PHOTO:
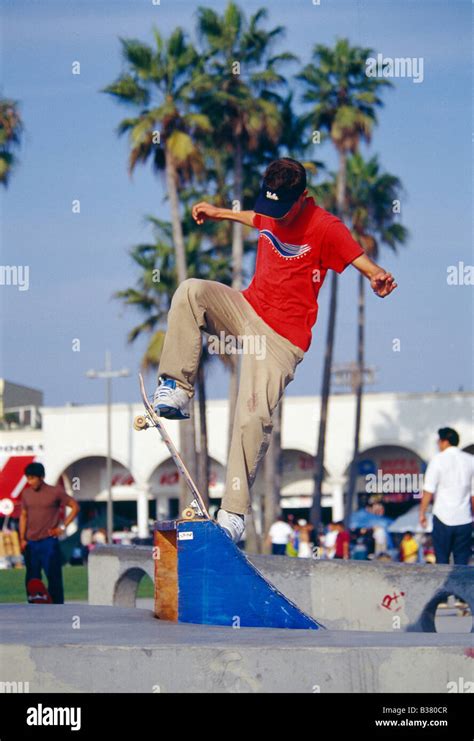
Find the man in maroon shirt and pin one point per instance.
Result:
(271, 319)
(342, 542)
(42, 508)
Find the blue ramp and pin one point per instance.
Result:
(217, 585)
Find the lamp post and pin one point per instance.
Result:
(108, 374)
(349, 374)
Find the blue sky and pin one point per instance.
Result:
(70, 150)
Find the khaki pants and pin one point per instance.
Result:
(268, 363)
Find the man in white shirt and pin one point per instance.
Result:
(329, 540)
(449, 477)
(279, 536)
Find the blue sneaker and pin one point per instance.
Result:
(170, 400)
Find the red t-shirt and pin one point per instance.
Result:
(342, 538)
(292, 263)
(43, 509)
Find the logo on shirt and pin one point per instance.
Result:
(286, 250)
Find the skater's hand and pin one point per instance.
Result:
(423, 520)
(203, 211)
(23, 544)
(383, 283)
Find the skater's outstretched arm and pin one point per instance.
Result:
(382, 282)
(203, 211)
(339, 249)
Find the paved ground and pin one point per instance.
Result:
(78, 647)
(117, 626)
(446, 621)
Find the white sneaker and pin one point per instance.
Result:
(232, 523)
(170, 400)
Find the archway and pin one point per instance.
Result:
(134, 589)
(86, 481)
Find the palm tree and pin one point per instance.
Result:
(238, 91)
(11, 127)
(159, 83)
(371, 195)
(344, 102)
(153, 291)
(152, 298)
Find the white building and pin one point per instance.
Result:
(398, 436)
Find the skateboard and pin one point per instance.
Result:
(197, 508)
(37, 593)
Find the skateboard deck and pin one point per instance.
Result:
(152, 419)
(37, 593)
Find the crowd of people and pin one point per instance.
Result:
(297, 538)
(447, 486)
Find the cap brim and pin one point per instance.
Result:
(272, 209)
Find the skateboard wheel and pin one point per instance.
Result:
(140, 423)
(188, 513)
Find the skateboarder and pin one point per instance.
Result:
(39, 529)
(298, 243)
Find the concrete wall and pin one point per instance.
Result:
(350, 595)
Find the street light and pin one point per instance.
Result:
(108, 374)
(347, 374)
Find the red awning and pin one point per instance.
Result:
(13, 480)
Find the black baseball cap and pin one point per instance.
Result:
(276, 203)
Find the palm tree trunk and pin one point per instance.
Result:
(273, 465)
(187, 428)
(351, 502)
(237, 260)
(253, 541)
(315, 515)
(341, 185)
(233, 393)
(203, 459)
(189, 452)
(237, 229)
(177, 229)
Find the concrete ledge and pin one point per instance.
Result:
(79, 648)
(343, 595)
(366, 595)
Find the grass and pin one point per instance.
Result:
(12, 585)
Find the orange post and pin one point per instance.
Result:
(166, 571)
